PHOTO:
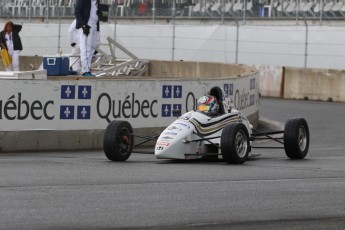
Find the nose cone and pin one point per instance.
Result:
(171, 143)
(170, 150)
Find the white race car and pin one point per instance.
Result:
(196, 135)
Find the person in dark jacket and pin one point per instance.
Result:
(87, 23)
(10, 39)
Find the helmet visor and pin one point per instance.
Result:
(203, 108)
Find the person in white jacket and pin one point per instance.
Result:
(73, 37)
(86, 13)
(74, 40)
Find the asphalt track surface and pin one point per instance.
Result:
(83, 190)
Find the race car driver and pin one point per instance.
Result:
(209, 105)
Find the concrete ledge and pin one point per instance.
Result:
(34, 74)
(36, 140)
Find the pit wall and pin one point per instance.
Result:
(68, 113)
(300, 83)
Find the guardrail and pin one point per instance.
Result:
(203, 9)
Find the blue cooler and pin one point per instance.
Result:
(56, 65)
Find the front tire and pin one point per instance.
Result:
(234, 143)
(118, 141)
(296, 138)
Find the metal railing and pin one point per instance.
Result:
(184, 9)
(108, 64)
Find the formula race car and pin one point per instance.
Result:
(205, 134)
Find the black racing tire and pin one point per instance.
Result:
(118, 141)
(296, 138)
(234, 143)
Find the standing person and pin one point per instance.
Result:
(10, 39)
(73, 37)
(87, 24)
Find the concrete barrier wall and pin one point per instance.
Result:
(38, 114)
(314, 84)
(300, 83)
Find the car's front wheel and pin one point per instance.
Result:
(234, 143)
(118, 141)
(296, 138)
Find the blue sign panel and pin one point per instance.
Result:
(178, 91)
(83, 112)
(226, 89)
(67, 92)
(231, 89)
(84, 92)
(166, 110)
(166, 91)
(177, 107)
(66, 112)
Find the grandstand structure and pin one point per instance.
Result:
(262, 9)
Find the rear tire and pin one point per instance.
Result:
(296, 138)
(234, 143)
(118, 141)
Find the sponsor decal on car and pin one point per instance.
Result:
(166, 138)
(170, 133)
(163, 143)
(159, 148)
(183, 124)
(172, 127)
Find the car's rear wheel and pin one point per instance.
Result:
(118, 141)
(234, 143)
(296, 138)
